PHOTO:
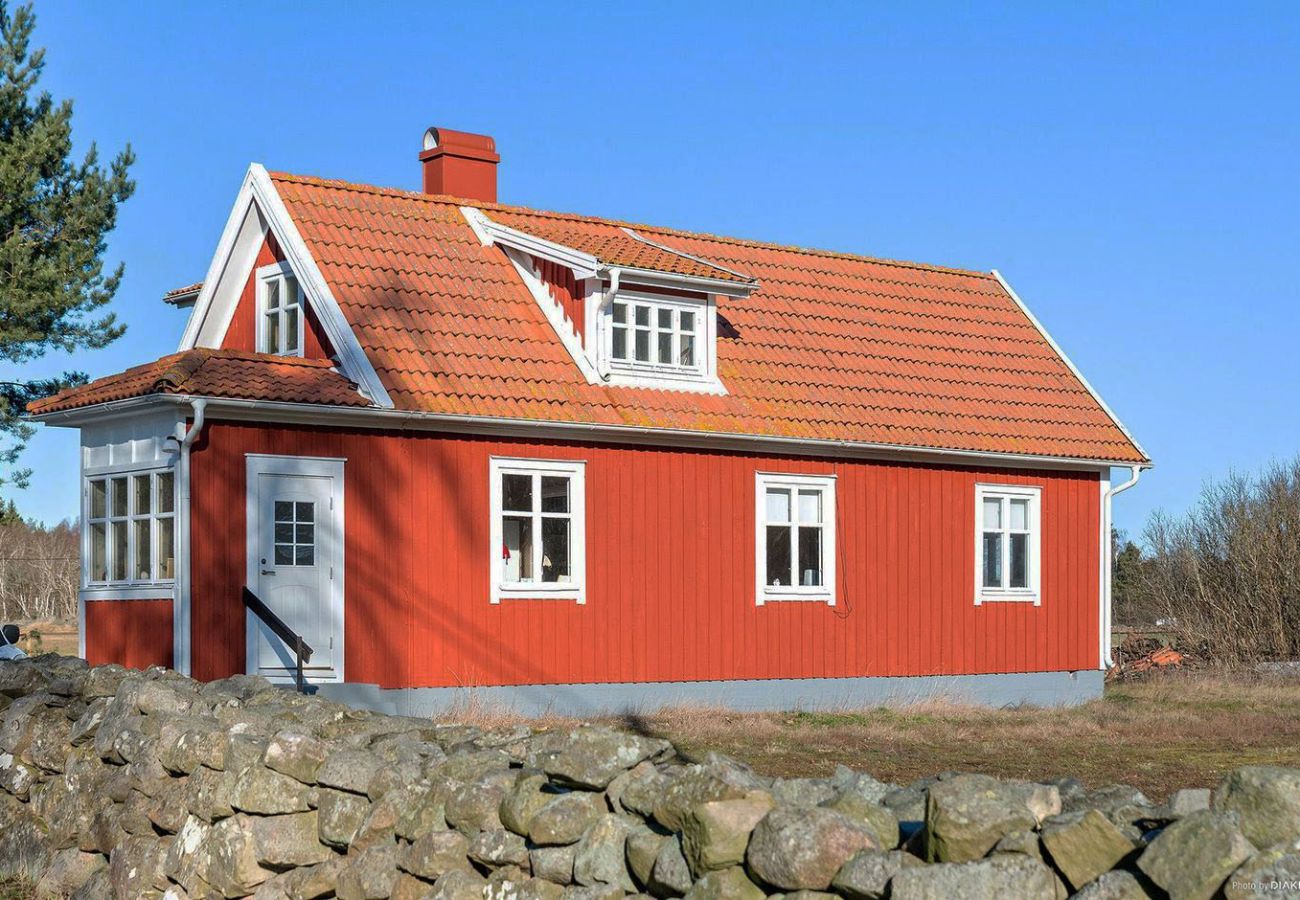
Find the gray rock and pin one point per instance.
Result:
(592, 757)
(1085, 849)
(907, 803)
(425, 812)
(1272, 873)
(847, 781)
(498, 848)
(601, 857)
(1116, 884)
(435, 854)
(349, 770)
(69, 870)
(476, 806)
(698, 784)
(716, 834)
(880, 819)
(1188, 800)
(1268, 800)
(189, 856)
(553, 864)
(1194, 856)
(671, 875)
(867, 873)
(280, 842)
(996, 878)
(368, 875)
(135, 867)
(725, 884)
(300, 756)
(1026, 843)
(803, 791)
(796, 848)
(563, 819)
(966, 815)
(266, 793)
(1121, 803)
(459, 885)
(522, 801)
(526, 889)
(233, 869)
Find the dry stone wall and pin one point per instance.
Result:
(127, 784)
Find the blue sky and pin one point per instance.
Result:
(1131, 168)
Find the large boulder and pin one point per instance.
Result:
(563, 819)
(996, 878)
(1267, 798)
(1275, 872)
(593, 757)
(298, 755)
(801, 848)
(698, 784)
(1086, 847)
(264, 792)
(671, 874)
(1193, 857)
(725, 884)
(368, 875)
(965, 816)
(867, 874)
(601, 856)
(281, 842)
(716, 834)
(1117, 884)
(233, 869)
(435, 854)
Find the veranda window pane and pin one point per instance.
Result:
(98, 552)
(143, 567)
(517, 552)
(291, 329)
(120, 560)
(619, 349)
(666, 347)
(98, 499)
(166, 549)
(143, 495)
(166, 492)
(687, 355)
(119, 497)
(555, 494)
(1019, 515)
(643, 316)
(778, 505)
(778, 555)
(992, 559)
(555, 550)
(810, 557)
(517, 492)
(1019, 560)
(642, 346)
(993, 513)
(810, 506)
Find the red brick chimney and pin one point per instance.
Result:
(460, 164)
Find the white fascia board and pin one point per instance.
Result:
(676, 282)
(1070, 365)
(584, 265)
(220, 262)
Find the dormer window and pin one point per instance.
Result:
(654, 334)
(279, 325)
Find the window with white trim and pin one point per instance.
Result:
(280, 311)
(130, 528)
(795, 540)
(660, 341)
(1008, 538)
(538, 535)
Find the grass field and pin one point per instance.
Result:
(1158, 735)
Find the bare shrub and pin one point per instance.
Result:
(39, 571)
(1228, 571)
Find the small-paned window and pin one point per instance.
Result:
(295, 533)
(795, 547)
(1007, 545)
(130, 528)
(538, 529)
(651, 334)
(280, 325)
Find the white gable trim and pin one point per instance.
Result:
(259, 209)
(1068, 362)
(564, 329)
(584, 265)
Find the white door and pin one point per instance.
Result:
(295, 563)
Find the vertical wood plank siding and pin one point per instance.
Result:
(670, 568)
(134, 633)
(566, 291)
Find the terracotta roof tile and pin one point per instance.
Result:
(831, 346)
(215, 373)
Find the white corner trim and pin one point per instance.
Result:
(584, 265)
(823, 593)
(1006, 286)
(564, 329)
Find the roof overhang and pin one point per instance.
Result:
(273, 412)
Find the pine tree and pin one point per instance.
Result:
(55, 215)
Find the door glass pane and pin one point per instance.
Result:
(143, 495)
(687, 355)
(304, 556)
(119, 497)
(120, 567)
(284, 532)
(778, 505)
(283, 511)
(778, 555)
(1019, 515)
(555, 494)
(305, 511)
(555, 550)
(619, 349)
(810, 557)
(993, 513)
(642, 346)
(166, 549)
(666, 347)
(304, 534)
(992, 559)
(810, 506)
(517, 549)
(98, 552)
(284, 554)
(166, 492)
(1019, 560)
(291, 329)
(517, 492)
(143, 568)
(98, 499)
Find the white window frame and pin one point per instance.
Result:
(132, 516)
(823, 593)
(700, 376)
(266, 275)
(575, 471)
(1032, 593)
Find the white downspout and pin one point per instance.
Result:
(1107, 659)
(181, 609)
(602, 358)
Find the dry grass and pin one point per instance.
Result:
(1182, 730)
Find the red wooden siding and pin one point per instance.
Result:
(242, 333)
(134, 633)
(670, 568)
(566, 290)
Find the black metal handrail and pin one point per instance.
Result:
(301, 649)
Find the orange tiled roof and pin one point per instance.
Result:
(831, 346)
(215, 373)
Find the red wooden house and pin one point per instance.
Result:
(572, 463)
